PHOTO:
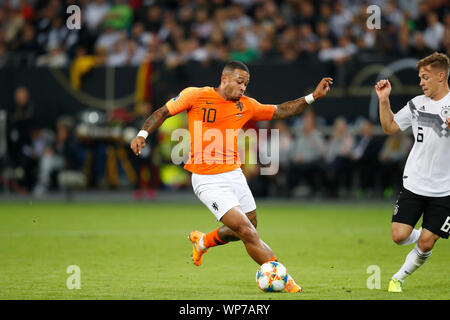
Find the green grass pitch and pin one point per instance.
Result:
(141, 251)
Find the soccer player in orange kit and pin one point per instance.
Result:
(217, 179)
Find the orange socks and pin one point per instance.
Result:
(212, 239)
(274, 258)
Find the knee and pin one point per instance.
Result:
(247, 233)
(398, 236)
(425, 244)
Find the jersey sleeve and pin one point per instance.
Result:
(183, 101)
(262, 112)
(403, 118)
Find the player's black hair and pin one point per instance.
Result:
(233, 65)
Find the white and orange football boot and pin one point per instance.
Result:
(197, 251)
(291, 286)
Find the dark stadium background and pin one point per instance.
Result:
(88, 91)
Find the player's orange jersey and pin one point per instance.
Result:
(213, 126)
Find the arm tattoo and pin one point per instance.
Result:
(156, 119)
(290, 108)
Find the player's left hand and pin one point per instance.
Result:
(322, 88)
(137, 144)
(447, 122)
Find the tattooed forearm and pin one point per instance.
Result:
(156, 119)
(290, 108)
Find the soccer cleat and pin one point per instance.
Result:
(395, 285)
(197, 252)
(292, 287)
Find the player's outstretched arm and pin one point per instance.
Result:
(383, 89)
(447, 122)
(151, 124)
(290, 108)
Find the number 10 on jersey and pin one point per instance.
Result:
(209, 115)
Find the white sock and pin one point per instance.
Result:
(413, 261)
(413, 237)
(201, 243)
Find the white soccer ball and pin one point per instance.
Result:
(271, 277)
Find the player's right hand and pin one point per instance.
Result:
(137, 144)
(383, 89)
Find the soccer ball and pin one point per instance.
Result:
(271, 277)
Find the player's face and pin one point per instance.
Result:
(429, 80)
(235, 83)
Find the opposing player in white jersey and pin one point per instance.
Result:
(426, 178)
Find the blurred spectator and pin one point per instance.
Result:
(135, 53)
(55, 58)
(185, 19)
(94, 12)
(119, 55)
(392, 159)
(190, 50)
(307, 156)
(308, 40)
(240, 51)
(287, 45)
(280, 180)
(323, 32)
(61, 155)
(326, 52)
(83, 63)
(119, 16)
(171, 176)
(108, 38)
(14, 24)
(410, 7)
(44, 20)
(306, 15)
(27, 43)
(142, 37)
(365, 158)
(41, 143)
(60, 36)
(203, 26)
(343, 52)
(153, 20)
(446, 40)
(340, 19)
(434, 33)
(146, 170)
(338, 158)
(247, 30)
(404, 42)
(420, 49)
(267, 51)
(235, 20)
(420, 23)
(392, 14)
(20, 122)
(325, 12)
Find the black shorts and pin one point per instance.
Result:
(436, 212)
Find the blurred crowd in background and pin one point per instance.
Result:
(348, 160)
(126, 32)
